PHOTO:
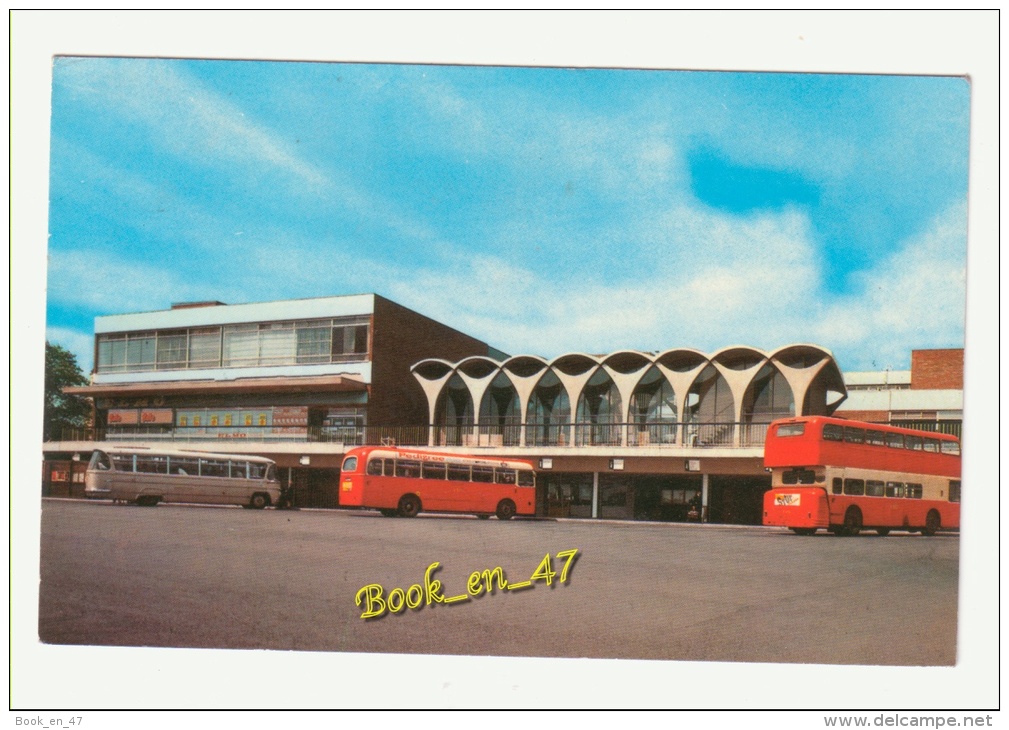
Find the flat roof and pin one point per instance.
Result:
(221, 314)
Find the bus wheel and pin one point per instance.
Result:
(804, 530)
(882, 531)
(932, 523)
(505, 509)
(259, 501)
(852, 521)
(409, 506)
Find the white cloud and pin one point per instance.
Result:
(753, 281)
(181, 114)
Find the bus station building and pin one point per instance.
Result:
(626, 435)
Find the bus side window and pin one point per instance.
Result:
(832, 432)
(504, 476)
(432, 471)
(375, 468)
(458, 473)
(854, 435)
(876, 438)
(122, 462)
(873, 488)
(954, 490)
(256, 470)
(407, 468)
(836, 486)
(100, 461)
(526, 478)
(912, 442)
(894, 489)
(483, 474)
(913, 491)
(895, 440)
(932, 445)
(951, 447)
(854, 487)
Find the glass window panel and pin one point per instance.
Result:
(526, 478)
(932, 445)
(832, 432)
(894, 489)
(912, 442)
(205, 347)
(277, 343)
(854, 435)
(314, 342)
(374, 468)
(432, 471)
(876, 438)
(895, 440)
(172, 350)
(873, 488)
(950, 447)
(483, 474)
(458, 473)
(854, 486)
(241, 345)
(407, 468)
(504, 476)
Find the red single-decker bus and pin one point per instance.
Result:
(402, 482)
(846, 475)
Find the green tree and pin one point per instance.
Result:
(63, 411)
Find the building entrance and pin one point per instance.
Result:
(737, 500)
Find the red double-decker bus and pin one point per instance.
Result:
(846, 475)
(402, 482)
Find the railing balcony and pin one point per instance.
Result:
(467, 435)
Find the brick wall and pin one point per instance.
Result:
(867, 416)
(400, 339)
(937, 369)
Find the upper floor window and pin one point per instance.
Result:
(238, 345)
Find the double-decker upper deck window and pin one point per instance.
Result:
(895, 440)
(913, 443)
(876, 438)
(932, 445)
(791, 429)
(854, 435)
(832, 432)
(950, 447)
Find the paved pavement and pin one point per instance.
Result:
(183, 576)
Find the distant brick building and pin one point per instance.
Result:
(929, 396)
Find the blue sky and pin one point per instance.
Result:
(542, 210)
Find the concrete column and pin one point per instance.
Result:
(595, 495)
(704, 497)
